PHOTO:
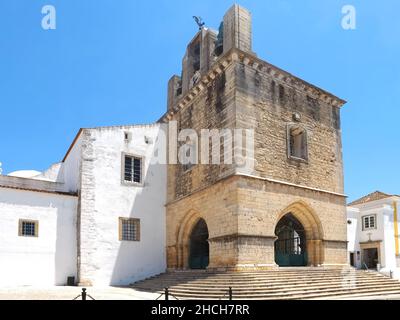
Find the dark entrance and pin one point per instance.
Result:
(199, 248)
(352, 259)
(290, 247)
(370, 258)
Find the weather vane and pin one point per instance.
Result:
(199, 21)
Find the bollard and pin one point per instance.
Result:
(166, 294)
(230, 293)
(83, 293)
(391, 274)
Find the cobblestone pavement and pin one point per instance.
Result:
(69, 293)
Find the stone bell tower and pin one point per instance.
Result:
(290, 208)
(207, 46)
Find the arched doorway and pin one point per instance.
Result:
(198, 246)
(290, 246)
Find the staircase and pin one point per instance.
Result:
(283, 283)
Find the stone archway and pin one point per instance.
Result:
(290, 247)
(199, 249)
(186, 228)
(312, 228)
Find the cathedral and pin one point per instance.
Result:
(112, 213)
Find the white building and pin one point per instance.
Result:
(97, 216)
(373, 232)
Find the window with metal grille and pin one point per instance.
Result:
(132, 169)
(28, 228)
(129, 229)
(369, 222)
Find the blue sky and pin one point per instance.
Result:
(108, 62)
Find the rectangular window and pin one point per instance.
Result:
(190, 157)
(129, 229)
(28, 228)
(132, 169)
(297, 143)
(127, 136)
(369, 222)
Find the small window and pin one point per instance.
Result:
(369, 222)
(28, 228)
(129, 229)
(132, 169)
(297, 143)
(191, 156)
(127, 136)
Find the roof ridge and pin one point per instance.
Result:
(373, 196)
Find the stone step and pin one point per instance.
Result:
(281, 269)
(251, 276)
(266, 286)
(265, 273)
(279, 289)
(278, 284)
(353, 293)
(266, 278)
(292, 295)
(262, 280)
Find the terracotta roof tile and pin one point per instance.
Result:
(377, 195)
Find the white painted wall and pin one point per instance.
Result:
(372, 234)
(114, 262)
(71, 167)
(51, 257)
(388, 238)
(54, 173)
(353, 234)
(384, 232)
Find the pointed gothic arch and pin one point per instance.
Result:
(313, 231)
(186, 228)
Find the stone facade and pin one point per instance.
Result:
(241, 208)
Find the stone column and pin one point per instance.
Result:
(314, 252)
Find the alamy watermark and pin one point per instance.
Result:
(205, 146)
(49, 19)
(348, 21)
(349, 18)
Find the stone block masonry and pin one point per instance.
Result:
(240, 91)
